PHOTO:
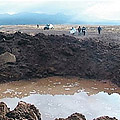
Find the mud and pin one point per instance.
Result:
(42, 55)
(55, 86)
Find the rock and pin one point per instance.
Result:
(105, 118)
(75, 116)
(3, 110)
(7, 57)
(78, 116)
(24, 111)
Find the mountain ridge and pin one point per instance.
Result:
(42, 18)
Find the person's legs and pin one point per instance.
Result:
(84, 32)
(99, 31)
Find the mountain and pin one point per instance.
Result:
(33, 18)
(36, 18)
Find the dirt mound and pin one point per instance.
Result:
(23, 111)
(3, 110)
(41, 56)
(105, 118)
(75, 116)
(78, 116)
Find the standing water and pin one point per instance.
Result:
(58, 97)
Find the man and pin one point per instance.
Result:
(79, 30)
(99, 29)
(37, 26)
(73, 31)
(83, 30)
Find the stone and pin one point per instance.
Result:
(24, 111)
(75, 116)
(3, 110)
(105, 118)
(7, 57)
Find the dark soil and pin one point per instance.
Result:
(52, 55)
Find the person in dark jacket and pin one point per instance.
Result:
(83, 30)
(79, 30)
(99, 29)
(37, 26)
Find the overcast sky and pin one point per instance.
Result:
(81, 9)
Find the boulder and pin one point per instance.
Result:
(78, 116)
(105, 118)
(75, 116)
(24, 111)
(7, 57)
(3, 110)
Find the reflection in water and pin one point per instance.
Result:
(60, 97)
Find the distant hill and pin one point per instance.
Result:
(36, 18)
(33, 18)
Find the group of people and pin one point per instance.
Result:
(74, 30)
(83, 30)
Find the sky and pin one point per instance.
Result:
(80, 9)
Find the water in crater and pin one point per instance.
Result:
(58, 97)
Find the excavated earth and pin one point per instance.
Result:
(42, 55)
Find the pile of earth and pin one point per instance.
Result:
(52, 55)
(24, 111)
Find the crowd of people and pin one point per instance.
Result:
(82, 30)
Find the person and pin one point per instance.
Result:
(83, 30)
(37, 26)
(99, 29)
(73, 31)
(79, 30)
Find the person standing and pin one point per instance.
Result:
(79, 30)
(99, 29)
(83, 30)
(37, 26)
(73, 31)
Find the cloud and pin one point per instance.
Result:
(108, 10)
(79, 9)
(16, 6)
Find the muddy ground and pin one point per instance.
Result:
(38, 55)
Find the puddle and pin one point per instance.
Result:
(59, 97)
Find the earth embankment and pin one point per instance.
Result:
(59, 55)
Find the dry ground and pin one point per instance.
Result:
(107, 31)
